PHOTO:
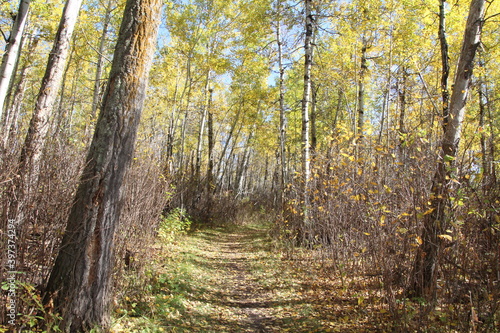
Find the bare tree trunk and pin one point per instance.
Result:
(306, 105)
(402, 113)
(31, 153)
(314, 110)
(424, 276)
(188, 86)
(12, 52)
(243, 166)
(385, 120)
(282, 126)
(483, 140)
(220, 165)
(80, 283)
(361, 90)
(14, 104)
(203, 121)
(210, 169)
(445, 65)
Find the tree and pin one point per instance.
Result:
(12, 52)
(424, 277)
(32, 151)
(306, 105)
(282, 115)
(80, 283)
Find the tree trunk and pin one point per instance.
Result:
(402, 90)
(306, 105)
(424, 276)
(282, 126)
(80, 283)
(12, 52)
(210, 169)
(385, 120)
(485, 163)
(361, 90)
(31, 153)
(445, 66)
(221, 167)
(13, 106)
(314, 110)
(199, 146)
(188, 86)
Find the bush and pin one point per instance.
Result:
(175, 223)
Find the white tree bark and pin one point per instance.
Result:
(12, 52)
(306, 105)
(31, 154)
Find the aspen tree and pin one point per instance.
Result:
(424, 277)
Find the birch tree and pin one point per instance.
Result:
(306, 105)
(12, 52)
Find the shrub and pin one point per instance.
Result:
(175, 223)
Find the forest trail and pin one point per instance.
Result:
(232, 280)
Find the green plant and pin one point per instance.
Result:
(175, 223)
(33, 314)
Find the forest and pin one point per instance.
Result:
(333, 162)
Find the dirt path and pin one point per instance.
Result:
(240, 289)
(232, 280)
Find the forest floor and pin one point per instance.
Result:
(233, 279)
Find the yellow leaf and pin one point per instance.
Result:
(429, 211)
(382, 220)
(447, 237)
(419, 240)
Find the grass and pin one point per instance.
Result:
(232, 279)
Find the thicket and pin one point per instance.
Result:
(367, 206)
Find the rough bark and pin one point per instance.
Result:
(425, 269)
(445, 65)
(12, 52)
(31, 153)
(80, 283)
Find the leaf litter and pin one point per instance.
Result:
(233, 279)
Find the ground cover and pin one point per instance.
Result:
(233, 279)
